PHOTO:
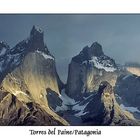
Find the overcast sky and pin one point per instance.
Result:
(66, 35)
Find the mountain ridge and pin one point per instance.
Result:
(30, 71)
(31, 92)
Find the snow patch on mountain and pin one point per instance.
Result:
(101, 63)
(130, 109)
(3, 51)
(127, 76)
(63, 107)
(19, 92)
(118, 97)
(46, 56)
(80, 108)
(66, 101)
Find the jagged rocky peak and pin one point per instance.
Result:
(11, 57)
(37, 39)
(36, 31)
(31, 64)
(88, 69)
(94, 55)
(37, 34)
(96, 49)
(88, 52)
(35, 42)
(27, 71)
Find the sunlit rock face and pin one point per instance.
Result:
(29, 71)
(35, 72)
(15, 112)
(88, 69)
(134, 70)
(33, 77)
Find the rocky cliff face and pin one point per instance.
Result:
(88, 69)
(102, 109)
(33, 69)
(134, 70)
(127, 90)
(28, 71)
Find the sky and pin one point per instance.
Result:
(66, 35)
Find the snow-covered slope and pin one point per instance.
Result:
(102, 63)
(130, 109)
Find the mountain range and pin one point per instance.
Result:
(97, 92)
